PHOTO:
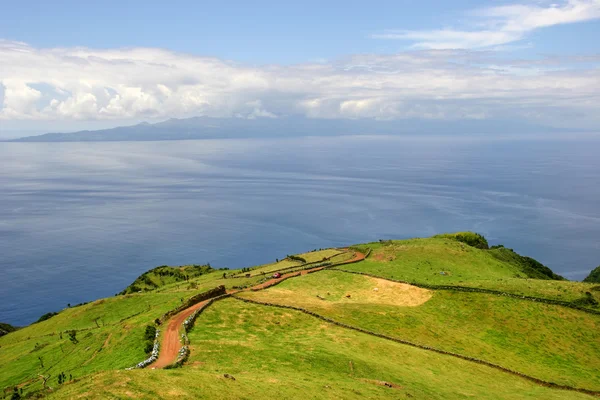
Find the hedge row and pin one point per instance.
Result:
(309, 270)
(152, 357)
(480, 290)
(306, 265)
(423, 347)
(194, 300)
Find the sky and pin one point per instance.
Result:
(72, 65)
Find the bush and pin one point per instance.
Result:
(470, 238)
(149, 336)
(296, 258)
(150, 333)
(73, 336)
(587, 300)
(46, 316)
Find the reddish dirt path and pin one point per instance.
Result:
(171, 343)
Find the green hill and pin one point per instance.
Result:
(439, 318)
(164, 275)
(594, 276)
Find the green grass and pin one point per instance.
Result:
(123, 318)
(424, 260)
(594, 276)
(319, 255)
(443, 261)
(284, 354)
(268, 268)
(276, 353)
(164, 275)
(553, 343)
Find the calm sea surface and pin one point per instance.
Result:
(79, 221)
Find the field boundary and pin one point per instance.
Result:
(423, 347)
(219, 293)
(188, 325)
(301, 266)
(477, 290)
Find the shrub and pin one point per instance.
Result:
(46, 316)
(149, 336)
(587, 300)
(150, 332)
(470, 238)
(73, 336)
(296, 258)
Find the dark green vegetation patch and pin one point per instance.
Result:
(594, 276)
(532, 268)
(6, 328)
(164, 275)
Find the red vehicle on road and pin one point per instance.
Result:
(276, 275)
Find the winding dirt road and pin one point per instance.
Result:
(171, 343)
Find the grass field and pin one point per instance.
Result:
(284, 354)
(553, 343)
(442, 261)
(116, 341)
(275, 353)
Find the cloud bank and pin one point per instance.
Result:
(83, 84)
(496, 26)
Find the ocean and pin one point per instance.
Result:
(80, 221)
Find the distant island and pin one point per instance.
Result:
(449, 316)
(293, 126)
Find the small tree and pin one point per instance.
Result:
(73, 336)
(15, 395)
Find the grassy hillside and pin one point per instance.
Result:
(284, 353)
(550, 342)
(594, 276)
(449, 262)
(164, 275)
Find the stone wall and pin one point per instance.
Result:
(480, 290)
(423, 347)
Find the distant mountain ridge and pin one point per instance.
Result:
(226, 128)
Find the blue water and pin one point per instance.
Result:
(79, 221)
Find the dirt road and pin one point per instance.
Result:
(171, 343)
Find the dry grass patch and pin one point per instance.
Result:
(363, 290)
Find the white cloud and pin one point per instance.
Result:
(82, 84)
(496, 26)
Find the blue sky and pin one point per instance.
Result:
(73, 64)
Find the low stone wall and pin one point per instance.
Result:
(479, 290)
(309, 270)
(182, 356)
(188, 324)
(303, 266)
(423, 347)
(152, 357)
